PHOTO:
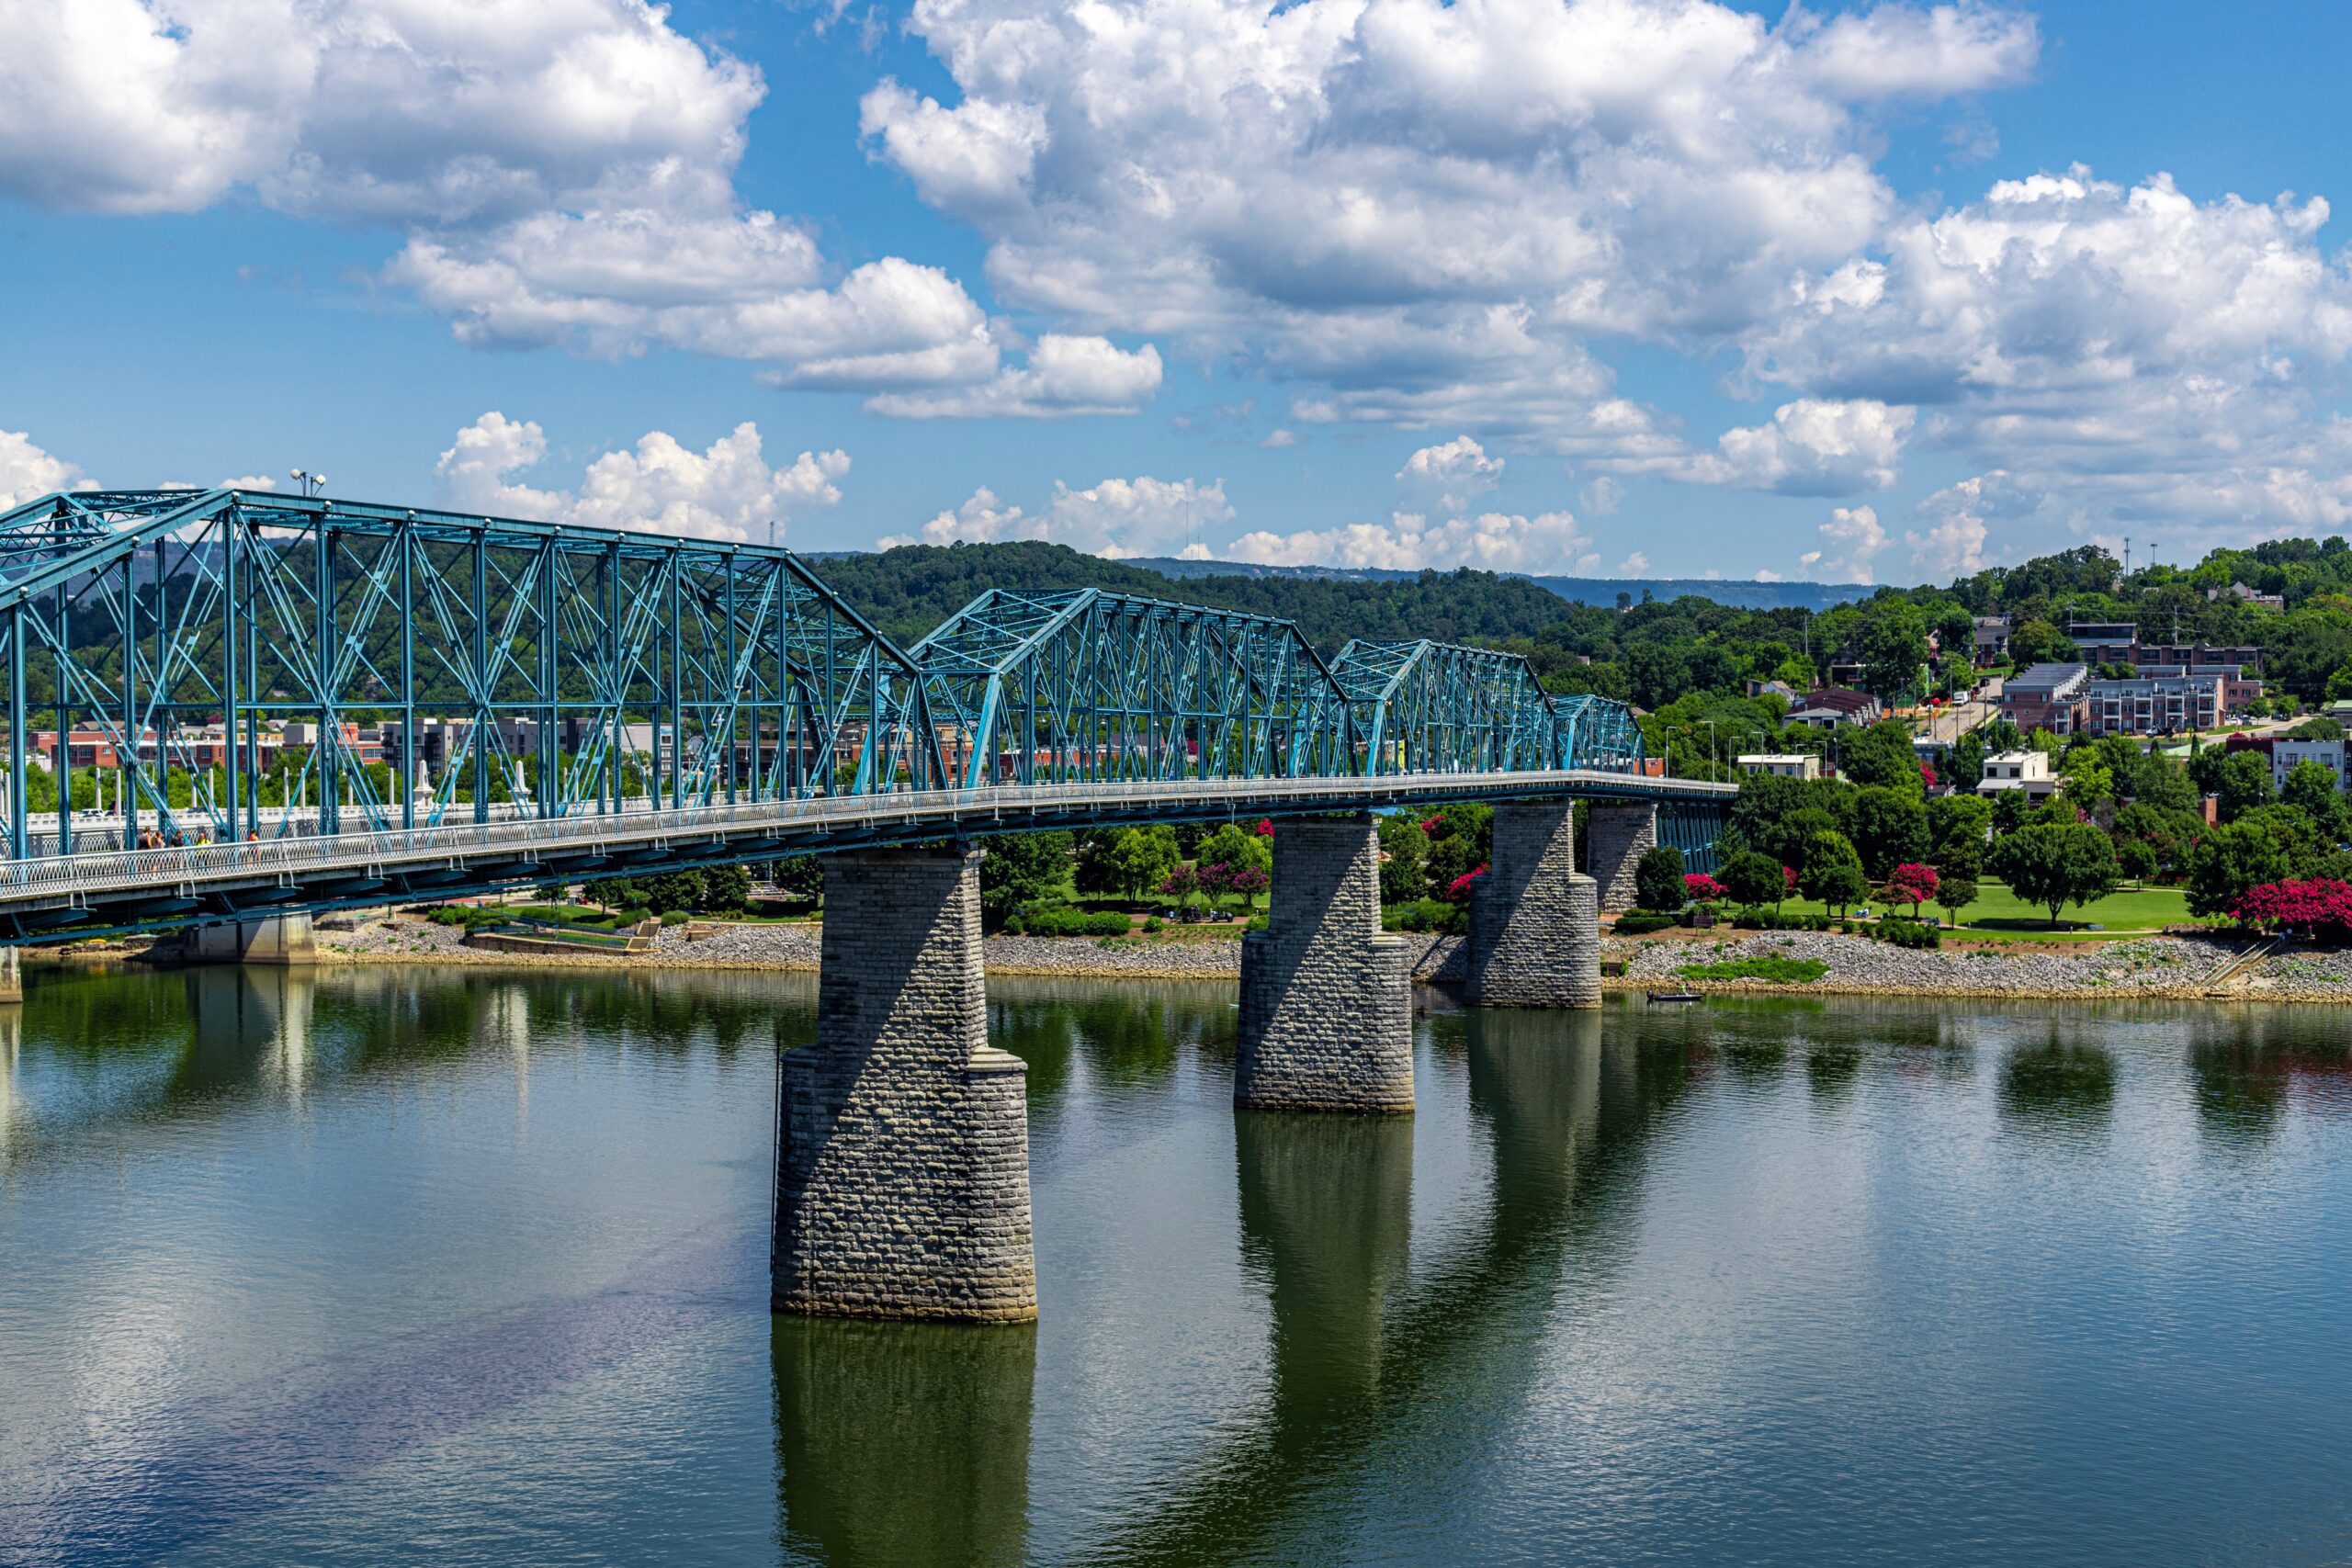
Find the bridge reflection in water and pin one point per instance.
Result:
(911, 1443)
(1401, 1291)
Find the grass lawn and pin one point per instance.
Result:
(1997, 912)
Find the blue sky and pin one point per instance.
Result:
(1614, 287)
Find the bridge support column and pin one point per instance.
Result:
(1619, 833)
(12, 977)
(902, 1138)
(1327, 1004)
(274, 939)
(1534, 922)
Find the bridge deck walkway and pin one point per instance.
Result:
(763, 829)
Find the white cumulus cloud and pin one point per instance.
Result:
(1851, 542)
(1066, 375)
(1423, 208)
(726, 491)
(1812, 446)
(26, 471)
(1116, 517)
(561, 172)
(1492, 541)
(1451, 474)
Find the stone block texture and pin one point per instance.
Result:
(1617, 838)
(12, 977)
(902, 1138)
(1327, 999)
(1534, 922)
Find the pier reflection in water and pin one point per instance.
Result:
(398, 1264)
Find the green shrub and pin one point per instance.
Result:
(1060, 919)
(1657, 878)
(1426, 915)
(1911, 933)
(1774, 920)
(1151, 923)
(1641, 923)
(1260, 923)
(1780, 971)
(674, 917)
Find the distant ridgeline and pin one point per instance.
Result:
(1602, 591)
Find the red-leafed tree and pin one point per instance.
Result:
(2321, 906)
(1911, 883)
(1458, 890)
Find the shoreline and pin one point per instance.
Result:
(2165, 969)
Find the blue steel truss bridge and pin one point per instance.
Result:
(488, 702)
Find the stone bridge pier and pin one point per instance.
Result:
(1327, 1002)
(1619, 833)
(1534, 921)
(902, 1138)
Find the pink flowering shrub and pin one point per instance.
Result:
(1702, 887)
(1912, 884)
(2321, 905)
(1458, 890)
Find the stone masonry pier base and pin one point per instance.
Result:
(1534, 923)
(902, 1138)
(1619, 834)
(1327, 1002)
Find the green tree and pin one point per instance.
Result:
(2053, 865)
(1657, 878)
(1791, 838)
(1959, 863)
(1833, 872)
(1236, 846)
(1890, 828)
(1754, 879)
(1126, 860)
(668, 890)
(725, 888)
(2009, 809)
(801, 876)
(1019, 868)
(1954, 820)
(2311, 789)
(1404, 849)
(2229, 860)
(1881, 757)
(1463, 840)
(2036, 641)
(2242, 780)
(1894, 643)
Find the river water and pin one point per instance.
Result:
(413, 1266)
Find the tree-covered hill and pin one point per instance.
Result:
(908, 591)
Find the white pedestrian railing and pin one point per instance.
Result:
(78, 877)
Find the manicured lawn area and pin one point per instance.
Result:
(1997, 912)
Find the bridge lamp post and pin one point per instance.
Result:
(312, 483)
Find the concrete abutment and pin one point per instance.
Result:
(272, 939)
(1327, 1002)
(902, 1138)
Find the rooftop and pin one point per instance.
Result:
(2046, 677)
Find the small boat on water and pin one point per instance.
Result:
(1674, 996)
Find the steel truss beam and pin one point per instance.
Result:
(595, 672)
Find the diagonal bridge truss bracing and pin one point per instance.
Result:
(515, 667)
(258, 666)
